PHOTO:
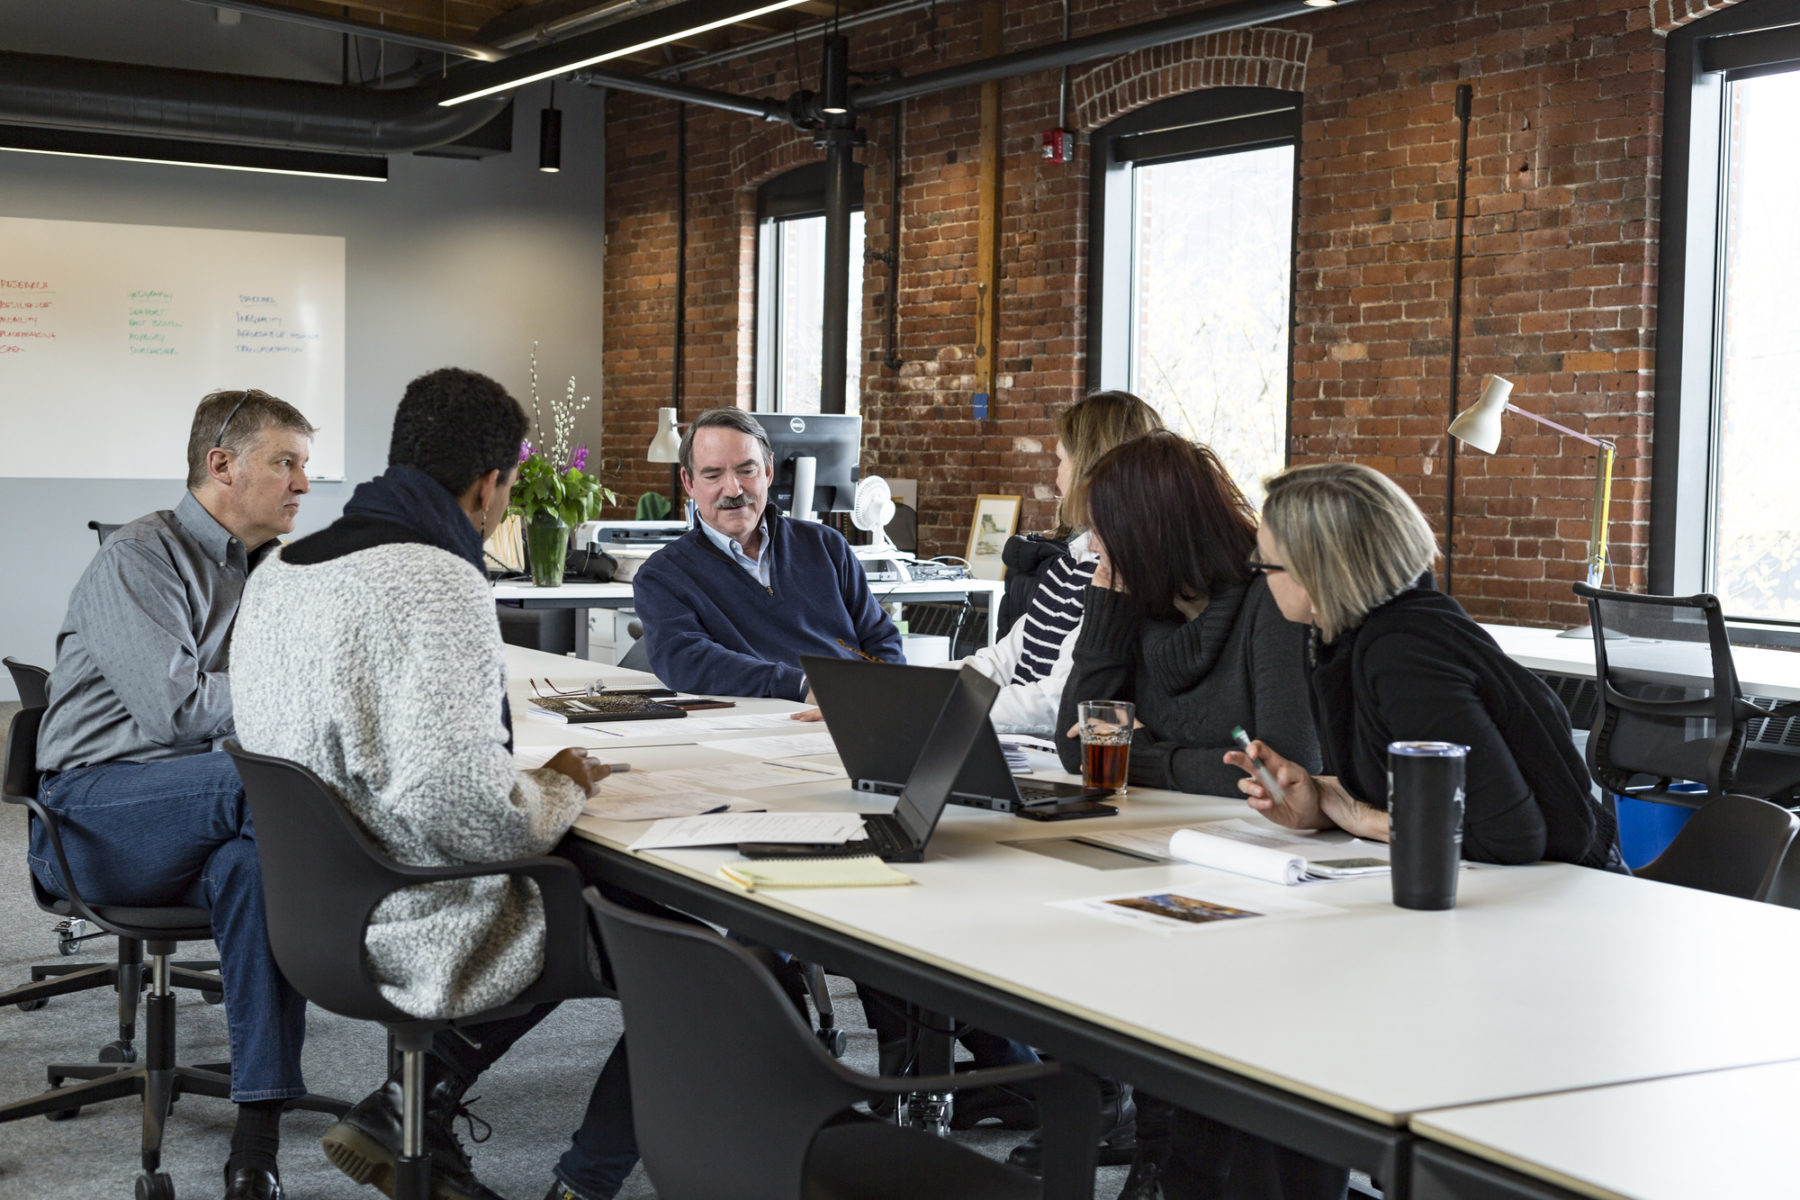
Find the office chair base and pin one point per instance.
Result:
(155, 1185)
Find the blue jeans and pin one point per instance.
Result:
(176, 831)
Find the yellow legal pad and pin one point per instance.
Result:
(863, 871)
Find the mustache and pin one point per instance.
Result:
(741, 500)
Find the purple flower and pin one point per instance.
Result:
(578, 460)
(524, 450)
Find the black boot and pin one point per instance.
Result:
(365, 1143)
(1152, 1154)
(1118, 1131)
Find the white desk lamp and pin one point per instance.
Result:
(665, 447)
(1479, 426)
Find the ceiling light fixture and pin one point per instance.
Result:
(212, 156)
(834, 82)
(1319, 3)
(563, 68)
(550, 136)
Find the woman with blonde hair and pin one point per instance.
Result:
(1348, 553)
(1031, 662)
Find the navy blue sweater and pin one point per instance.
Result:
(711, 627)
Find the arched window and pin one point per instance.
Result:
(790, 307)
(1190, 289)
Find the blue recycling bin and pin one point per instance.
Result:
(1646, 827)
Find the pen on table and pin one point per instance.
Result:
(1263, 774)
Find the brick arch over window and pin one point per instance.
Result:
(770, 150)
(1271, 58)
(1670, 15)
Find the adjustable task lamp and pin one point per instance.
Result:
(1479, 426)
(665, 447)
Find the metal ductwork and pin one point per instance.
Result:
(118, 98)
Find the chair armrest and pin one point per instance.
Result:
(39, 813)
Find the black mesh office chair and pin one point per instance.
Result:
(102, 530)
(303, 836)
(1735, 846)
(125, 975)
(1670, 709)
(732, 1096)
(161, 1080)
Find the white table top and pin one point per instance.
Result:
(1724, 1133)
(601, 593)
(1543, 979)
(1771, 673)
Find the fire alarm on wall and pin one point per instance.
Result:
(1058, 145)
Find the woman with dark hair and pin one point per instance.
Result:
(1177, 623)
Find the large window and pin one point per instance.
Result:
(790, 301)
(1192, 285)
(1726, 513)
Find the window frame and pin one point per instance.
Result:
(1755, 37)
(1193, 125)
(793, 194)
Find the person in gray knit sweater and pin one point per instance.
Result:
(1177, 622)
(370, 653)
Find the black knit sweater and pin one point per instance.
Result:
(1419, 669)
(1240, 662)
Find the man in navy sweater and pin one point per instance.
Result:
(731, 606)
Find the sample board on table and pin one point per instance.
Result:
(110, 335)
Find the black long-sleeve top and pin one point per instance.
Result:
(1419, 669)
(1239, 662)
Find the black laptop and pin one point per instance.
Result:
(901, 836)
(879, 715)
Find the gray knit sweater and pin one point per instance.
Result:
(383, 672)
(1240, 662)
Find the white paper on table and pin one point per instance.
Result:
(1263, 852)
(793, 745)
(610, 806)
(1267, 863)
(731, 721)
(530, 758)
(1189, 908)
(694, 725)
(725, 829)
(747, 777)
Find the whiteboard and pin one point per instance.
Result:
(111, 334)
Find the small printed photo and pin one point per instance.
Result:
(1182, 908)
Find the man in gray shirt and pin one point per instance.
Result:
(140, 698)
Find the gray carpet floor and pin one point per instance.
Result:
(533, 1099)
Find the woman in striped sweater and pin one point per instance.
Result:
(1031, 662)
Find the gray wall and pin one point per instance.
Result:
(448, 263)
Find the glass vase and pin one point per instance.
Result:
(547, 545)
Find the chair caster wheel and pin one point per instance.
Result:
(213, 997)
(31, 1005)
(118, 1052)
(155, 1186)
(833, 1040)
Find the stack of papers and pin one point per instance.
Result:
(1284, 856)
(862, 871)
(728, 829)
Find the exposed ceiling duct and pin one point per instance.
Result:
(119, 98)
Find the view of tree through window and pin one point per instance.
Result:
(1211, 266)
(799, 246)
(1754, 565)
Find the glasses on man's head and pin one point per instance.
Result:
(226, 424)
(1262, 568)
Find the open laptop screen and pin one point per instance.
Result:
(961, 720)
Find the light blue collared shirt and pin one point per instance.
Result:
(762, 568)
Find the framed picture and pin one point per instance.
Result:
(995, 519)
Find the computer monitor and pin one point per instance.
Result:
(833, 444)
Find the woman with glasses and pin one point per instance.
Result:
(1178, 623)
(1347, 555)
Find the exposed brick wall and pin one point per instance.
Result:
(1560, 256)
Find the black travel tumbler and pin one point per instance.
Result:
(1425, 821)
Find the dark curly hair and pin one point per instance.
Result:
(456, 426)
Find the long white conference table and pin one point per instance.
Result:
(1328, 1032)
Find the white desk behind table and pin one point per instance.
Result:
(1770, 673)
(1323, 1031)
(578, 598)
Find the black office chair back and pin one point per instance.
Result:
(21, 772)
(322, 878)
(102, 530)
(1669, 707)
(32, 683)
(728, 1085)
(1734, 846)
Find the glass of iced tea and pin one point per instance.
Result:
(1106, 743)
